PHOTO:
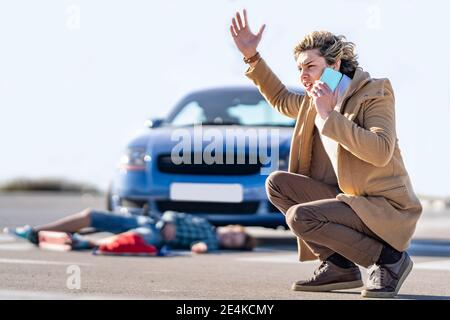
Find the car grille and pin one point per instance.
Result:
(166, 165)
(247, 207)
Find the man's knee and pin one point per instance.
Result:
(301, 219)
(274, 180)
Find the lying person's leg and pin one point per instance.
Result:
(103, 221)
(72, 223)
(100, 220)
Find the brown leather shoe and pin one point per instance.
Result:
(385, 280)
(330, 277)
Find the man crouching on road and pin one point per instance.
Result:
(347, 196)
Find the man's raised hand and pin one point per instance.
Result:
(245, 40)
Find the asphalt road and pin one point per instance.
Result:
(29, 273)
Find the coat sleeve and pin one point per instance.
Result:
(374, 142)
(279, 97)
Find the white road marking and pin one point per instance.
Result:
(11, 243)
(40, 295)
(16, 246)
(293, 258)
(7, 238)
(42, 262)
(433, 265)
(284, 258)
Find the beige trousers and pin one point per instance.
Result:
(326, 224)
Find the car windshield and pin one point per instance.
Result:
(246, 108)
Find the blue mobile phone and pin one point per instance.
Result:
(331, 77)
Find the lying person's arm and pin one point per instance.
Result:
(199, 247)
(205, 245)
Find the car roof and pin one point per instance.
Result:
(230, 89)
(251, 92)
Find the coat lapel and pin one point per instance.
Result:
(360, 79)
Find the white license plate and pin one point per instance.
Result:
(208, 192)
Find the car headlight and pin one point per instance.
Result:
(134, 158)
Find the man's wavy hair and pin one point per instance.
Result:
(332, 48)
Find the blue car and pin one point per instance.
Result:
(209, 157)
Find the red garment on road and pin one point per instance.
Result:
(127, 244)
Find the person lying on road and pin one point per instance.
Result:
(175, 229)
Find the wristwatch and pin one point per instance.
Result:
(253, 58)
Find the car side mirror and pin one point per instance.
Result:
(154, 123)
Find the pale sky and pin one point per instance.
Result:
(79, 78)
